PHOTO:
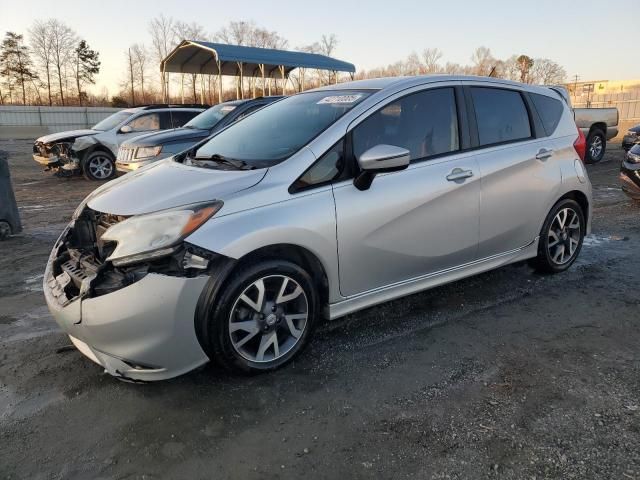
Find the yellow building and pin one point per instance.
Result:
(604, 87)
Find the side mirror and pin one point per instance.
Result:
(126, 129)
(380, 159)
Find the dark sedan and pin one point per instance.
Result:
(631, 138)
(152, 147)
(630, 173)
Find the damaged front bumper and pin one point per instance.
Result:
(138, 326)
(57, 156)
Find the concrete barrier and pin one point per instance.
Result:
(26, 122)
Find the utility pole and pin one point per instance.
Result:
(133, 98)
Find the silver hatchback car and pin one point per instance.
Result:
(318, 205)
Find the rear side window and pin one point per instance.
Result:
(146, 122)
(179, 118)
(425, 123)
(501, 115)
(549, 109)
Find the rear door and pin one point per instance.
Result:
(420, 220)
(515, 158)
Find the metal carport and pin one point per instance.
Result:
(207, 58)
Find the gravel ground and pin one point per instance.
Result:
(505, 375)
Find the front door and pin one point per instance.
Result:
(417, 221)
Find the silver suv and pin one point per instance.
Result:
(315, 206)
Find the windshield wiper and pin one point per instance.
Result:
(217, 158)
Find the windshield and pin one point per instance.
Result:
(280, 129)
(111, 121)
(209, 118)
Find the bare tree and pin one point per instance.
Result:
(63, 42)
(189, 31)
(163, 40)
(131, 81)
(547, 72)
(431, 58)
(412, 66)
(40, 40)
(140, 60)
(483, 61)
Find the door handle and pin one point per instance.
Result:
(459, 174)
(544, 153)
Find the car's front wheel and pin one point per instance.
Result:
(99, 166)
(263, 317)
(561, 237)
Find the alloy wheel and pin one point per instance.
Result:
(101, 167)
(564, 236)
(268, 318)
(595, 149)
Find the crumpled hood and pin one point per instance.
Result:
(169, 184)
(70, 135)
(166, 136)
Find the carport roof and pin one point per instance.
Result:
(193, 56)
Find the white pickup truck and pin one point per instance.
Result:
(598, 125)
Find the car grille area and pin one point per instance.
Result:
(126, 154)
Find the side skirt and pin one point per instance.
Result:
(401, 289)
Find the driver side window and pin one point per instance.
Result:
(425, 123)
(145, 123)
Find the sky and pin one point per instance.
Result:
(589, 38)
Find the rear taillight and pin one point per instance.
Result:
(580, 145)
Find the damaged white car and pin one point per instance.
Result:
(93, 151)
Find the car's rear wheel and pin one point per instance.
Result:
(264, 317)
(99, 166)
(561, 237)
(596, 146)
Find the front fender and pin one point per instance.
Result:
(305, 220)
(85, 146)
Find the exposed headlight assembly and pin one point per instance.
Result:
(632, 133)
(147, 152)
(633, 157)
(154, 235)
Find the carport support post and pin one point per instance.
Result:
(262, 73)
(219, 82)
(241, 81)
(281, 67)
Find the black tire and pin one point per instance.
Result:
(99, 166)
(596, 146)
(5, 230)
(218, 314)
(544, 261)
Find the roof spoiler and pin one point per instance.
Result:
(562, 91)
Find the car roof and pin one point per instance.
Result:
(397, 83)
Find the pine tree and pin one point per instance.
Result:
(87, 66)
(15, 63)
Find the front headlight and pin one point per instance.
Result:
(633, 157)
(154, 235)
(147, 152)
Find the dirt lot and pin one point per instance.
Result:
(505, 375)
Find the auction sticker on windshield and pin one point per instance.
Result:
(340, 99)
